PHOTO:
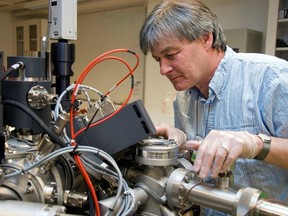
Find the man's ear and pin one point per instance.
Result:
(207, 39)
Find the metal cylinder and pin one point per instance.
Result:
(61, 122)
(75, 199)
(266, 208)
(62, 57)
(157, 152)
(183, 190)
(45, 145)
(17, 90)
(14, 208)
(16, 87)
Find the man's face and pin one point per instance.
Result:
(183, 62)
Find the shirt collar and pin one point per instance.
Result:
(219, 80)
(221, 75)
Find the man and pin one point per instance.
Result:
(236, 104)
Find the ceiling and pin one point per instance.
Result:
(38, 8)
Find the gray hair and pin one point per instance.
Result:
(184, 19)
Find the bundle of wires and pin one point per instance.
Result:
(126, 206)
(59, 109)
(92, 64)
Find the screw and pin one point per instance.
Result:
(181, 188)
(186, 178)
(29, 190)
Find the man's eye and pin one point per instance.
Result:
(170, 55)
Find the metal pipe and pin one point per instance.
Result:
(267, 208)
(183, 190)
(216, 198)
(14, 208)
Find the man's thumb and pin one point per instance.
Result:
(192, 144)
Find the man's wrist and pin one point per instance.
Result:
(266, 144)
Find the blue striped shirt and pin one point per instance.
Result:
(249, 92)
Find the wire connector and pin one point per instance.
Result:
(21, 65)
(75, 152)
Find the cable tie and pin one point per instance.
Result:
(110, 209)
(75, 147)
(98, 151)
(23, 171)
(21, 64)
(132, 81)
(76, 91)
(131, 52)
(74, 152)
(126, 193)
(111, 89)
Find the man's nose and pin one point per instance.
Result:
(165, 67)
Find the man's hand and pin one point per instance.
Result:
(218, 151)
(169, 132)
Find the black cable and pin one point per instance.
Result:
(39, 121)
(2, 136)
(11, 69)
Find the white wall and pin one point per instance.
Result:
(105, 31)
(233, 14)
(6, 35)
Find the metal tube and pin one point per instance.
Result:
(62, 57)
(14, 208)
(184, 190)
(216, 198)
(267, 208)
